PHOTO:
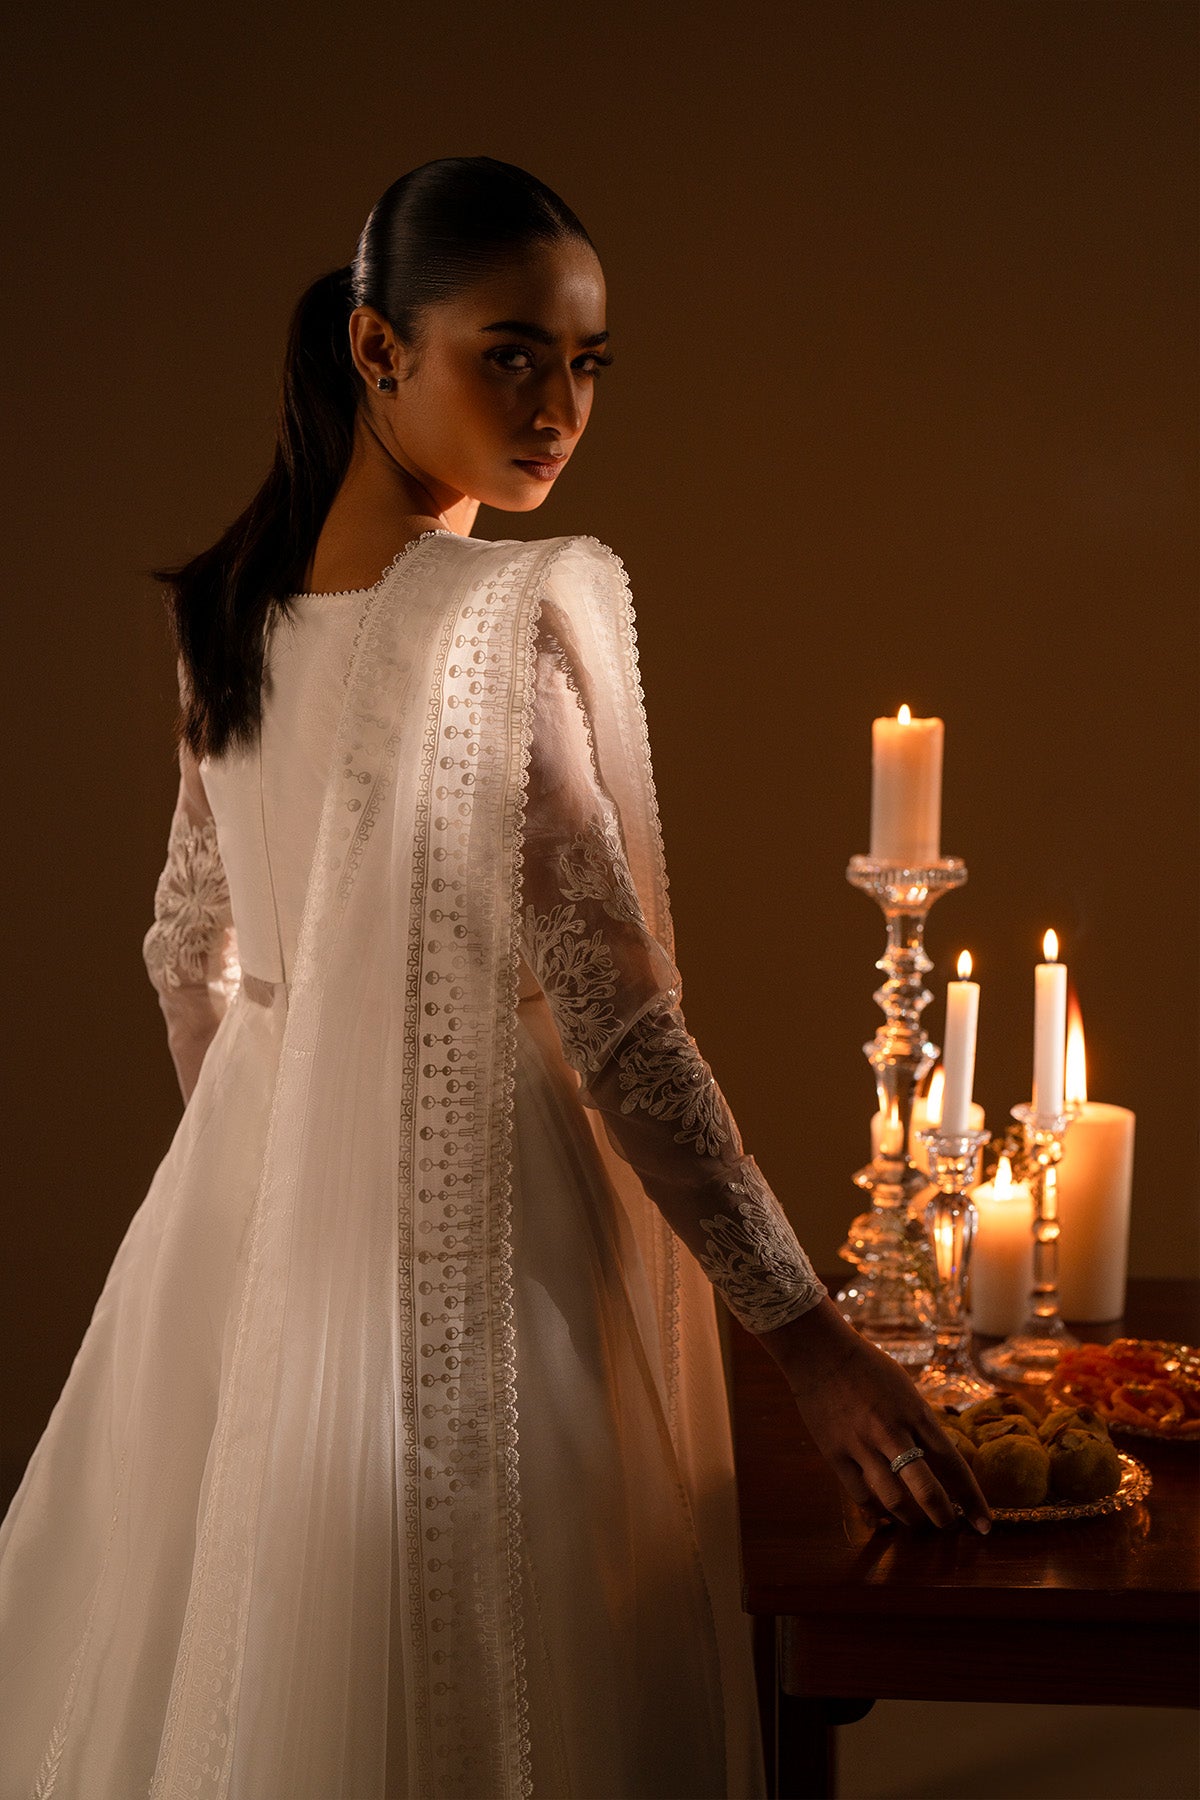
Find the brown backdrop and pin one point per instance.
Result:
(903, 301)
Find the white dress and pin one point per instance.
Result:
(637, 1677)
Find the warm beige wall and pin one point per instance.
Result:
(903, 300)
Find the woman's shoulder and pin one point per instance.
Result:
(571, 552)
(574, 575)
(579, 541)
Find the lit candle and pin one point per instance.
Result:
(1095, 1183)
(890, 1138)
(1000, 1271)
(1049, 1030)
(906, 790)
(962, 1021)
(926, 1111)
(943, 1247)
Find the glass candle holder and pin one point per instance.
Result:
(950, 1217)
(1030, 1356)
(890, 1298)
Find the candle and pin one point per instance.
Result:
(1095, 1182)
(962, 1020)
(1049, 1030)
(889, 1138)
(926, 1110)
(906, 790)
(1000, 1270)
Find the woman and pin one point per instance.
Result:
(396, 1458)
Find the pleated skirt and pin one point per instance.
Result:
(638, 1677)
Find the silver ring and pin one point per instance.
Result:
(906, 1456)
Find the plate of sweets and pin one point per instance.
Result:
(1039, 1464)
(1143, 1387)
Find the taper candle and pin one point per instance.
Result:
(1049, 1030)
(958, 1055)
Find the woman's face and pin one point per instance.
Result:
(502, 380)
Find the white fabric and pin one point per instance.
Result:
(396, 1457)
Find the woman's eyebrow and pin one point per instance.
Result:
(539, 333)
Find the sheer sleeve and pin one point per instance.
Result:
(190, 951)
(615, 996)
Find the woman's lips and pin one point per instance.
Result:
(541, 471)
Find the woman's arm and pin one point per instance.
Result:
(615, 995)
(190, 951)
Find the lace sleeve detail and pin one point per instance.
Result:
(191, 908)
(190, 949)
(615, 994)
(664, 1112)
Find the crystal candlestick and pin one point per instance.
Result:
(949, 1379)
(890, 1298)
(1031, 1354)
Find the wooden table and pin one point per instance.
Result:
(1103, 1612)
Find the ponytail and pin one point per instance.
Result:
(220, 602)
(429, 236)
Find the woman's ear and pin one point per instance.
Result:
(375, 347)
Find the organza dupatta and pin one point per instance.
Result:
(354, 1623)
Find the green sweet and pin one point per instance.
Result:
(1083, 1466)
(996, 1406)
(1013, 1470)
(961, 1442)
(1014, 1424)
(1064, 1418)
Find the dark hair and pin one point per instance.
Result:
(431, 235)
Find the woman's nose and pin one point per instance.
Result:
(560, 403)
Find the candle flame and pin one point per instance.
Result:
(935, 1097)
(1076, 1081)
(964, 965)
(1050, 946)
(1002, 1185)
(904, 716)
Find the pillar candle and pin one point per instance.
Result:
(1095, 1183)
(906, 790)
(1000, 1270)
(958, 1056)
(1049, 1030)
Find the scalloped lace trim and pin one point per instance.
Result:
(625, 626)
(364, 592)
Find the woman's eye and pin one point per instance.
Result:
(600, 362)
(516, 350)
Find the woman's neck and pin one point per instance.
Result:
(378, 509)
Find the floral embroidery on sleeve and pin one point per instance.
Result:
(595, 868)
(614, 993)
(191, 907)
(755, 1259)
(662, 1071)
(576, 970)
(578, 978)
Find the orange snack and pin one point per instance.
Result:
(1145, 1384)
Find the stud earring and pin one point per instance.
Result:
(385, 383)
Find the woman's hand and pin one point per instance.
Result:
(863, 1410)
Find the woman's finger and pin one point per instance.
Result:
(956, 1475)
(851, 1478)
(892, 1491)
(922, 1484)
